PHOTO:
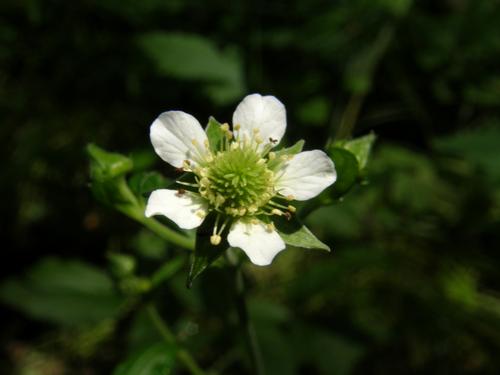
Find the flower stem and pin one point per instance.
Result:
(170, 235)
(182, 355)
(247, 326)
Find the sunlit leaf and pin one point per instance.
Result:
(296, 234)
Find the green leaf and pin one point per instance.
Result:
(193, 57)
(214, 134)
(361, 148)
(294, 233)
(167, 270)
(205, 253)
(106, 165)
(107, 171)
(66, 292)
(347, 169)
(158, 359)
(145, 182)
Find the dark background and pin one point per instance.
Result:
(412, 285)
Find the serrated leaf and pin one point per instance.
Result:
(205, 253)
(294, 233)
(347, 168)
(361, 148)
(67, 292)
(214, 134)
(158, 359)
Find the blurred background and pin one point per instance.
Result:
(412, 284)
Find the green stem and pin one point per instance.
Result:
(137, 213)
(182, 354)
(247, 326)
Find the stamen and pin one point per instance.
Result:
(291, 208)
(215, 239)
(272, 155)
(201, 214)
(275, 211)
(270, 227)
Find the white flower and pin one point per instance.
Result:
(243, 183)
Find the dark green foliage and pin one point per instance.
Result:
(413, 283)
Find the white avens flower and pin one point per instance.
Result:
(243, 183)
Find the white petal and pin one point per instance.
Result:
(265, 113)
(260, 244)
(306, 175)
(172, 135)
(186, 210)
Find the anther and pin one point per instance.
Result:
(237, 127)
(270, 227)
(272, 155)
(275, 211)
(201, 214)
(291, 208)
(224, 127)
(290, 197)
(215, 239)
(261, 162)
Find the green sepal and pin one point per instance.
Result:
(292, 150)
(215, 134)
(143, 183)
(204, 252)
(106, 165)
(361, 148)
(294, 233)
(347, 167)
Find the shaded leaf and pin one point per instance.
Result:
(361, 148)
(205, 253)
(158, 359)
(106, 165)
(145, 182)
(194, 57)
(65, 292)
(294, 233)
(347, 169)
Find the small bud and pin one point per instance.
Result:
(215, 239)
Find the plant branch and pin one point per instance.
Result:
(182, 354)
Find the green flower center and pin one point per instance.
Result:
(237, 182)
